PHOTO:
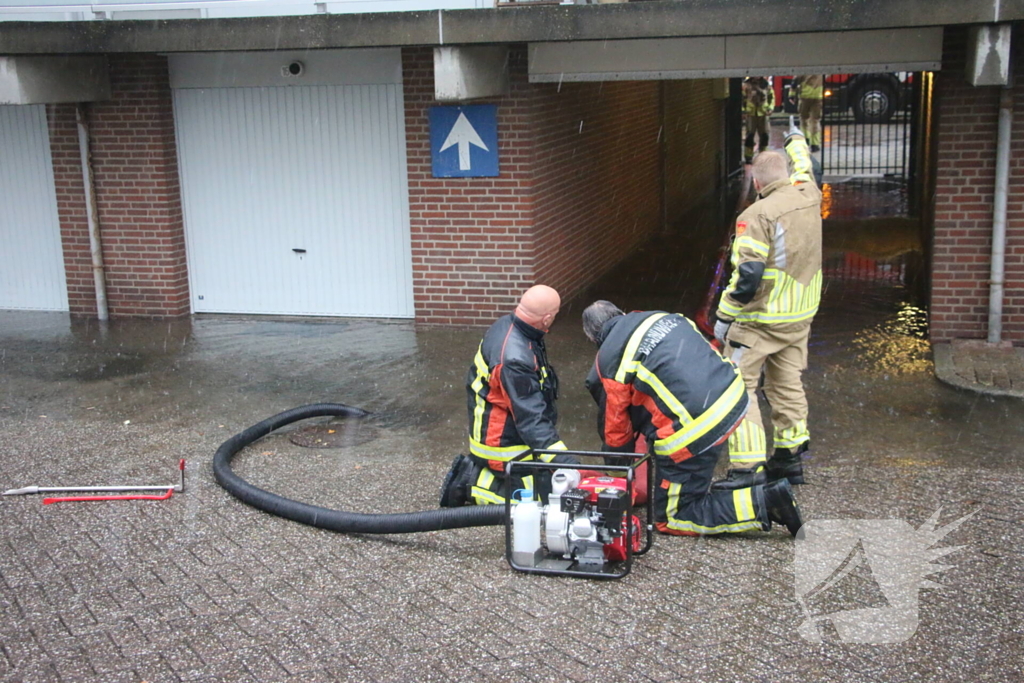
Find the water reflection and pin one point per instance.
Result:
(897, 345)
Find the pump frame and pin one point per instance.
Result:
(614, 570)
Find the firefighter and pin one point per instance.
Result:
(758, 105)
(809, 91)
(656, 375)
(764, 316)
(511, 388)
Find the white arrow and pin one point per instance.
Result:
(463, 134)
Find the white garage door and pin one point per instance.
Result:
(31, 259)
(295, 193)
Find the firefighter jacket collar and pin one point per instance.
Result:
(771, 187)
(606, 329)
(530, 331)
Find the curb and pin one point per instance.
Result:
(945, 371)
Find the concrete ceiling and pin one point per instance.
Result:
(516, 24)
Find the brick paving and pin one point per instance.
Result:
(203, 588)
(976, 365)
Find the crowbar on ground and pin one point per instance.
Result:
(83, 499)
(179, 488)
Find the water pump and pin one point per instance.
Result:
(586, 527)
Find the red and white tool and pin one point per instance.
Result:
(168, 491)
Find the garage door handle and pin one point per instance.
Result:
(299, 251)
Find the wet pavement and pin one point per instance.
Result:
(201, 587)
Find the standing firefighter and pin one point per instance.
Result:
(655, 375)
(810, 91)
(764, 317)
(511, 389)
(758, 105)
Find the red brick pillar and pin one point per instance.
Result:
(138, 197)
(472, 241)
(966, 135)
(74, 226)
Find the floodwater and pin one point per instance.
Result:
(874, 399)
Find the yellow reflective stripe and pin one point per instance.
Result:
(664, 394)
(793, 436)
(789, 301)
(747, 443)
(672, 507)
(681, 525)
(747, 460)
(485, 497)
(483, 374)
(500, 453)
(483, 494)
(800, 155)
(628, 363)
(726, 307)
(744, 504)
(557, 446)
(705, 422)
(756, 246)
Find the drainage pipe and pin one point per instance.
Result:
(326, 518)
(995, 301)
(95, 245)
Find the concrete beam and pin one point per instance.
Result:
(668, 19)
(467, 73)
(988, 55)
(52, 80)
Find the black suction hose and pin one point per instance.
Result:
(326, 518)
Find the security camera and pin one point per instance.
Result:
(293, 69)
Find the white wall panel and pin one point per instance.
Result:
(31, 258)
(266, 170)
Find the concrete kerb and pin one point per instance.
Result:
(946, 366)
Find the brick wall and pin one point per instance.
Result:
(597, 177)
(580, 188)
(694, 139)
(472, 241)
(74, 226)
(137, 194)
(966, 134)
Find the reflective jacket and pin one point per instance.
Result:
(809, 87)
(776, 255)
(655, 374)
(759, 101)
(511, 389)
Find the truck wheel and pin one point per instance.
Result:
(874, 103)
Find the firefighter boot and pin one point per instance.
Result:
(741, 478)
(781, 506)
(787, 463)
(458, 482)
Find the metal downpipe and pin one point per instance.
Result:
(996, 280)
(95, 245)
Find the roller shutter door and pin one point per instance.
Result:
(31, 259)
(296, 198)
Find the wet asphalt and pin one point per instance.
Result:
(201, 587)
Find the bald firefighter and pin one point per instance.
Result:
(511, 389)
(656, 375)
(765, 314)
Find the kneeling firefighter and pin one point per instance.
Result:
(656, 375)
(512, 390)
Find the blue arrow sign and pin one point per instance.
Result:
(464, 141)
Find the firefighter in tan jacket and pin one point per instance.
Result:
(764, 317)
